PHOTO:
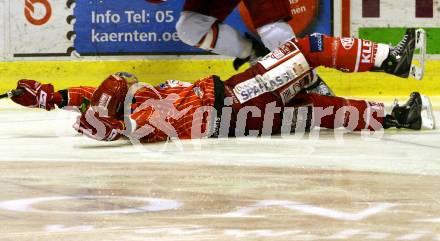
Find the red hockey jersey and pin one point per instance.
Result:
(171, 109)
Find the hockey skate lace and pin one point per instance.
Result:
(395, 103)
(400, 46)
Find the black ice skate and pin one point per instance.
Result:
(258, 51)
(320, 87)
(399, 61)
(415, 114)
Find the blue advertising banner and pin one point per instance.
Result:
(114, 27)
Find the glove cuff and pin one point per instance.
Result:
(57, 99)
(46, 97)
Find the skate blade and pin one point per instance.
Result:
(418, 70)
(428, 119)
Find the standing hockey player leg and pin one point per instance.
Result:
(201, 25)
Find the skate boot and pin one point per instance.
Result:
(320, 87)
(415, 114)
(399, 61)
(258, 51)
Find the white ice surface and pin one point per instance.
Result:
(38, 135)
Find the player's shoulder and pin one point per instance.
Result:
(175, 84)
(208, 80)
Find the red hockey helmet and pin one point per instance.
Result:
(110, 96)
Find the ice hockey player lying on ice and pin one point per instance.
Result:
(264, 99)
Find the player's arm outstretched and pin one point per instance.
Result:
(37, 95)
(93, 122)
